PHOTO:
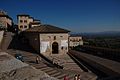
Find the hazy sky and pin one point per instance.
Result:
(75, 15)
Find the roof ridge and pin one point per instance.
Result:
(46, 28)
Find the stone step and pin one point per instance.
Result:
(47, 70)
(39, 67)
(52, 72)
(61, 76)
(56, 74)
(69, 62)
(44, 68)
(70, 65)
(74, 69)
(34, 64)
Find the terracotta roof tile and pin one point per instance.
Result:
(47, 29)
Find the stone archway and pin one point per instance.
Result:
(55, 48)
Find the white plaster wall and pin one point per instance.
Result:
(78, 41)
(23, 24)
(49, 37)
(30, 20)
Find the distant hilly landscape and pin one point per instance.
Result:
(98, 34)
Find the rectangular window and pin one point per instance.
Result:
(21, 26)
(25, 26)
(21, 21)
(54, 37)
(25, 21)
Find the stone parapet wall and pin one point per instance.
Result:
(1, 36)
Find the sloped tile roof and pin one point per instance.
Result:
(23, 15)
(47, 29)
(35, 23)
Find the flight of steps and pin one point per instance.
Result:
(67, 62)
(51, 70)
(54, 72)
(43, 66)
(70, 65)
(60, 73)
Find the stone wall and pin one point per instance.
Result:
(33, 40)
(5, 21)
(75, 41)
(23, 23)
(42, 42)
(60, 38)
(1, 36)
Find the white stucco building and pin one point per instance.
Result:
(75, 41)
(26, 21)
(5, 20)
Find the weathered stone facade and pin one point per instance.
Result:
(54, 40)
(5, 20)
(75, 41)
(24, 22)
(48, 42)
(33, 40)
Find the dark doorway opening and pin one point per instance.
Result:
(55, 48)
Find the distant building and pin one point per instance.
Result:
(48, 39)
(25, 22)
(6, 22)
(35, 23)
(75, 41)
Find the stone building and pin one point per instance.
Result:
(25, 22)
(48, 39)
(35, 23)
(5, 20)
(75, 41)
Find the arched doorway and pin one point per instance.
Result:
(55, 48)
